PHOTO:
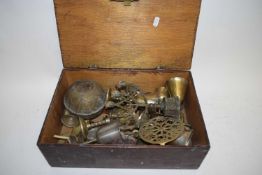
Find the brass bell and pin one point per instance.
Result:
(177, 86)
(85, 98)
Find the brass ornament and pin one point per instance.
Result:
(161, 130)
(85, 98)
(177, 86)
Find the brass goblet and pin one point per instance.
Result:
(177, 86)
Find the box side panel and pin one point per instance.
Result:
(194, 115)
(52, 124)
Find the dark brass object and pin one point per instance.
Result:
(100, 123)
(126, 119)
(85, 98)
(128, 139)
(129, 88)
(84, 126)
(168, 106)
(91, 134)
(177, 86)
(171, 107)
(107, 134)
(152, 98)
(161, 130)
(185, 138)
(161, 93)
(69, 120)
(142, 118)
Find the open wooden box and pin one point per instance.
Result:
(105, 41)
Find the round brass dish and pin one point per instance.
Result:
(85, 98)
(161, 130)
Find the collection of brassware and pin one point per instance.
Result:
(126, 114)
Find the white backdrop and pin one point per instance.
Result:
(227, 69)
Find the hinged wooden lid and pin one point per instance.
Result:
(110, 35)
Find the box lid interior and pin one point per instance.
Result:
(110, 35)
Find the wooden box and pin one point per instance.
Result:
(106, 41)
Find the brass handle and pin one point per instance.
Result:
(126, 2)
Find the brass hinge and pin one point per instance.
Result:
(126, 2)
(92, 66)
(159, 67)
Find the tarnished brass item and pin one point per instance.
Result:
(91, 134)
(142, 118)
(177, 86)
(185, 138)
(171, 107)
(85, 98)
(129, 88)
(152, 98)
(81, 130)
(168, 106)
(161, 93)
(108, 134)
(69, 120)
(100, 123)
(128, 139)
(130, 115)
(84, 126)
(161, 130)
(113, 95)
(69, 139)
(111, 104)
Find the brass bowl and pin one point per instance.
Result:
(85, 98)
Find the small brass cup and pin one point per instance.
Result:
(177, 86)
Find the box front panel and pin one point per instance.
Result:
(124, 156)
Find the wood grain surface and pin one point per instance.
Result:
(111, 35)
